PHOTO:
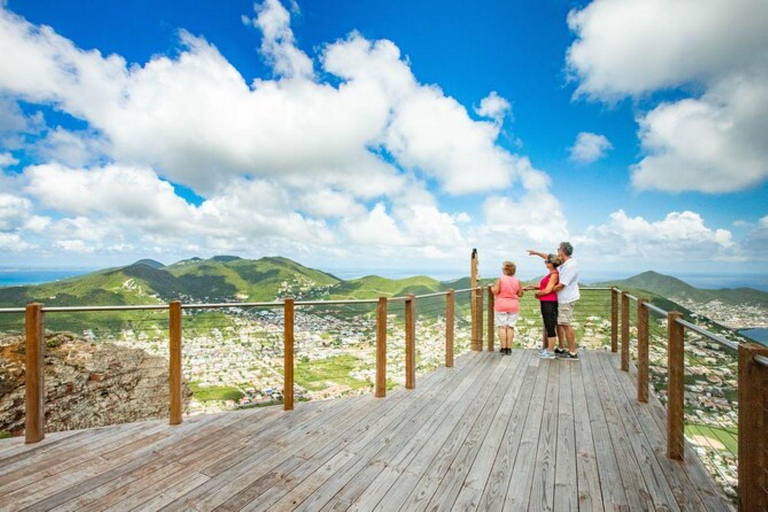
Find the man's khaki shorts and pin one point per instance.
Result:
(565, 313)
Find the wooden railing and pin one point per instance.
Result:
(35, 344)
(752, 389)
(752, 365)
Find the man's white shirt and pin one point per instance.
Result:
(569, 277)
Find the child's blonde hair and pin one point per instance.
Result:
(509, 268)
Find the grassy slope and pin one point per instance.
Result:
(667, 286)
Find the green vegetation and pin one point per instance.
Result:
(668, 286)
(726, 437)
(218, 393)
(4, 434)
(315, 375)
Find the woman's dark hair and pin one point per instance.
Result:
(554, 260)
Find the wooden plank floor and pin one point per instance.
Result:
(493, 433)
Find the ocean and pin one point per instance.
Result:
(759, 334)
(24, 276)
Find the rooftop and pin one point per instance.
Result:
(491, 433)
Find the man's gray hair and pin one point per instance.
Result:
(567, 248)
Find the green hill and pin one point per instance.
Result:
(371, 287)
(668, 286)
(225, 278)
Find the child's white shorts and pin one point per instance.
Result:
(502, 319)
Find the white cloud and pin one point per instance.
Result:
(536, 219)
(290, 162)
(589, 147)
(278, 43)
(6, 160)
(715, 142)
(680, 236)
(631, 47)
(13, 242)
(495, 107)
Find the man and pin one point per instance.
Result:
(567, 295)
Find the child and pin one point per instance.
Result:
(507, 291)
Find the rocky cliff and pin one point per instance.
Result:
(86, 384)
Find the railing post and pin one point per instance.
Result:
(450, 324)
(381, 348)
(288, 355)
(625, 331)
(410, 342)
(491, 319)
(753, 424)
(34, 425)
(614, 319)
(675, 387)
(174, 359)
(476, 338)
(642, 351)
(479, 321)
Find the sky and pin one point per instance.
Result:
(386, 136)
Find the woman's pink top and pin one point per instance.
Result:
(550, 297)
(507, 299)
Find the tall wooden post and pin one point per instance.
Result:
(614, 319)
(753, 424)
(174, 359)
(288, 359)
(450, 324)
(476, 343)
(625, 331)
(479, 322)
(381, 348)
(491, 318)
(410, 342)
(34, 425)
(675, 387)
(642, 351)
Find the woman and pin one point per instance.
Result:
(507, 291)
(548, 299)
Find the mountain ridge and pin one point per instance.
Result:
(674, 288)
(232, 278)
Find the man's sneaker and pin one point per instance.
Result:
(560, 351)
(569, 357)
(546, 354)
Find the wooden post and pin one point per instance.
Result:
(642, 351)
(381, 348)
(174, 369)
(450, 324)
(34, 424)
(625, 331)
(614, 319)
(491, 319)
(288, 355)
(476, 342)
(410, 342)
(479, 315)
(675, 387)
(753, 424)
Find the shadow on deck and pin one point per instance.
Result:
(493, 433)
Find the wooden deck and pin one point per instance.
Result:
(493, 433)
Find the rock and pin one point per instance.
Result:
(86, 384)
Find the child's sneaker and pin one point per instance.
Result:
(560, 351)
(569, 357)
(546, 354)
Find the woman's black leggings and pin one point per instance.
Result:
(549, 314)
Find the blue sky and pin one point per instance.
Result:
(672, 174)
